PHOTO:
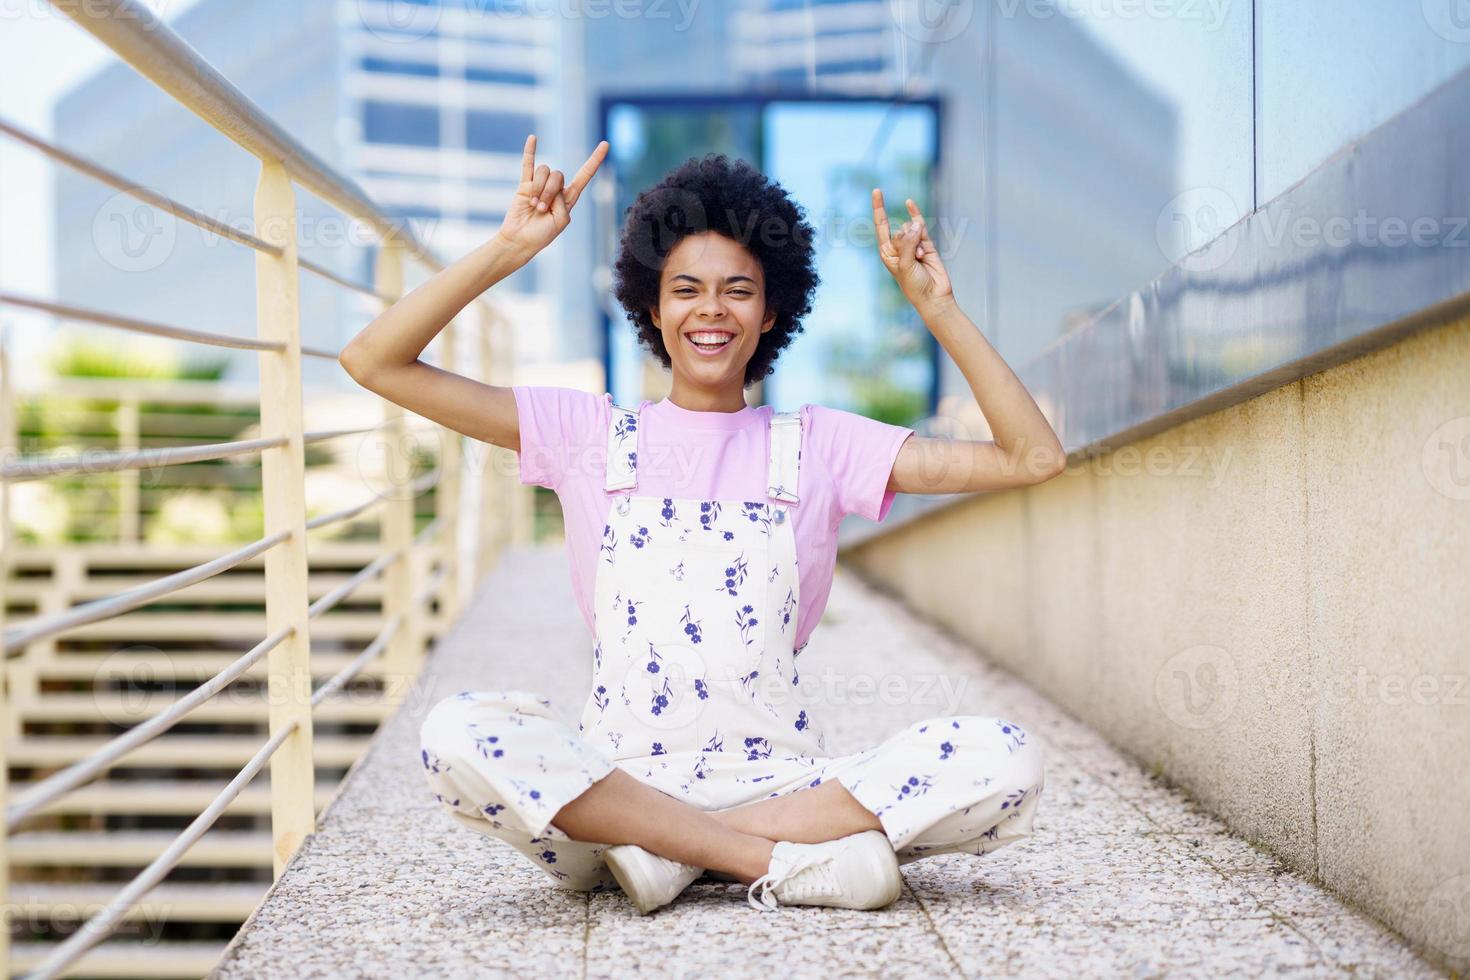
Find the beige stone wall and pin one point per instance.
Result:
(1270, 605)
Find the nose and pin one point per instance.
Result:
(712, 305)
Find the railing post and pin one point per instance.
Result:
(278, 312)
(401, 582)
(8, 446)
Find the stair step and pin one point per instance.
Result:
(228, 706)
(224, 901)
(161, 797)
(194, 751)
(125, 960)
(135, 848)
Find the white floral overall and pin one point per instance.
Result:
(695, 692)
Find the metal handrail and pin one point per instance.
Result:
(100, 925)
(142, 39)
(346, 589)
(355, 666)
(135, 33)
(134, 459)
(59, 784)
(176, 208)
(45, 627)
(118, 182)
(71, 311)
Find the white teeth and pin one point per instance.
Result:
(710, 338)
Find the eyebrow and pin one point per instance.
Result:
(728, 279)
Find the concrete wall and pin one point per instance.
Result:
(1270, 604)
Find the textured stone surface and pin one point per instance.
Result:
(1123, 877)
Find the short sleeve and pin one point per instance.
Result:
(557, 425)
(858, 453)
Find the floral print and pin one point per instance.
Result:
(688, 647)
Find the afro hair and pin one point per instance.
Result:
(733, 199)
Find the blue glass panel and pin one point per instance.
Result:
(497, 131)
(1329, 72)
(397, 122)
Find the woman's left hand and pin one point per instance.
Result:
(910, 256)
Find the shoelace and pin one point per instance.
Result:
(817, 876)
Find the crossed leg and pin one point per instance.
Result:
(619, 809)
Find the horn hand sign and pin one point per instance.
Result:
(910, 256)
(542, 206)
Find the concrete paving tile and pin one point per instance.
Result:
(1228, 853)
(1119, 878)
(1290, 893)
(1191, 948)
(1360, 947)
(1122, 877)
(710, 928)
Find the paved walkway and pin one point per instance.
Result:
(1123, 877)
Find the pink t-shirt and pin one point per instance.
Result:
(846, 460)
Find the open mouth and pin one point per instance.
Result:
(709, 341)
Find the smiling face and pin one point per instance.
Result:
(711, 290)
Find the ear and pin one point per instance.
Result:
(653, 315)
(769, 321)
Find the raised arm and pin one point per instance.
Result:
(1025, 449)
(384, 356)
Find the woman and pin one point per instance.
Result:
(702, 544)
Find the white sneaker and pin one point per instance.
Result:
(855, 872)
(649, 881)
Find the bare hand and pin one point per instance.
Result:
(911, 257)
(542, 207)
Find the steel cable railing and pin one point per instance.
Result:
(139, 37)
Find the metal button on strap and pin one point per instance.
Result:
(623, 505)
(780, 515)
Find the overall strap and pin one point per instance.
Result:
(622, 449)
(785, 465)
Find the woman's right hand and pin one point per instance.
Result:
(542, 207)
